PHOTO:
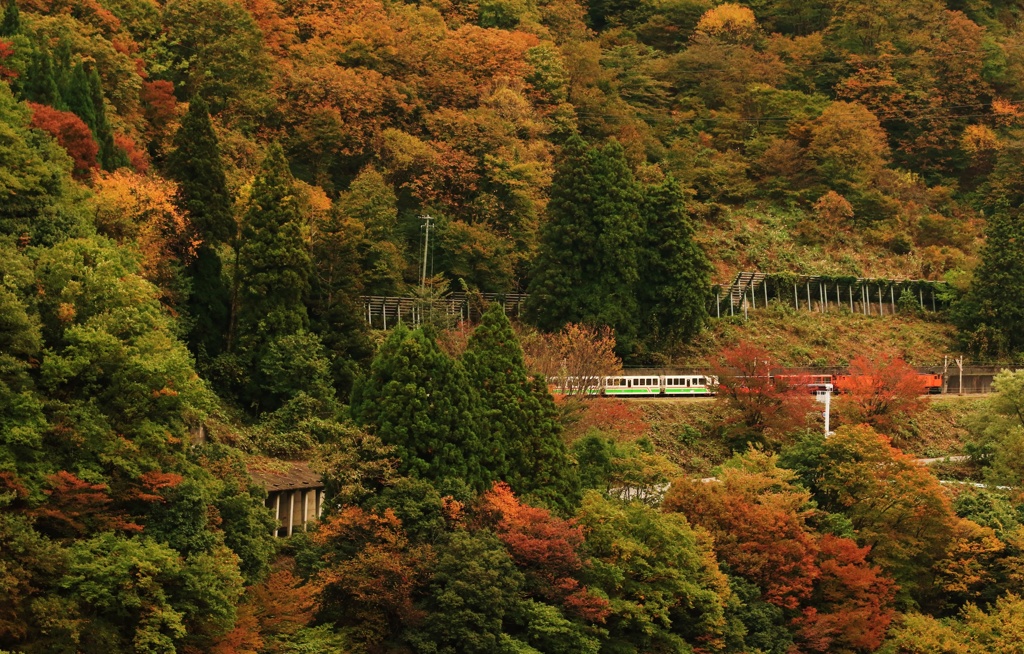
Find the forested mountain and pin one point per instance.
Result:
(194, 194)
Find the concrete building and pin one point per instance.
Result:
(294, 492)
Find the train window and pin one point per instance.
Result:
(700, 380)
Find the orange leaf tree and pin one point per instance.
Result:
(765, 409)
(884, 392)
(831, 596)
(546, 549)
(894, 504)
(370, 574)
(758, 518)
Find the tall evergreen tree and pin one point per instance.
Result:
(523, 420)
(10, 24)
(370, 203)
(203, 194)
(77, 96)
(111, 156)
(39, 84)
(675, 274)
(420, 401)
(274, 266)
(195, 163)
(84, 97)
(335, 310)
(587, 267)
(991, 312)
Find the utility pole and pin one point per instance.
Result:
(426, 242)
(960, 365)
(825, 397)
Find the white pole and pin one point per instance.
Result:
(426, 241)
(828, 411)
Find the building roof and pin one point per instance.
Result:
(292, 475)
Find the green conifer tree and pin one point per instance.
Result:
(587, 267)
(274, 266)
(39, 83)
(529, 451)
(675, 274)
(335, 309)
(84, 97)
(203, 194)
(420, 401)
(11, 22)
(196, 165)
(77, 96)
(62, 68)
(111, 157)
(992, 311)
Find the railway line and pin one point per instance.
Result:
(667, 384)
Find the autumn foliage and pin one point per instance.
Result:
(546, 548)
(76, 507)
(132, 207)
(884, 392)
(372, 570)
(614, 416)
(71, 133)
(851, 607)
(576, 357)
(760, 520)
(766, 408)
(6, 50)
(605, 157)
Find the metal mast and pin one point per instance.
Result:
(426, 242)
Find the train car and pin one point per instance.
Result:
(632, 386)
(686, 385)
(589, 386)
(816, 384)
(843, 383)
(932, 382)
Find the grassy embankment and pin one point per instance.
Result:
(690, 434)
(803, 338)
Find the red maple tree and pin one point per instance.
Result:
(883, 392)
(546, 548)
(71, 133)
(766, 408)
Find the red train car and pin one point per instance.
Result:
(932, 383)
(814, 383)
